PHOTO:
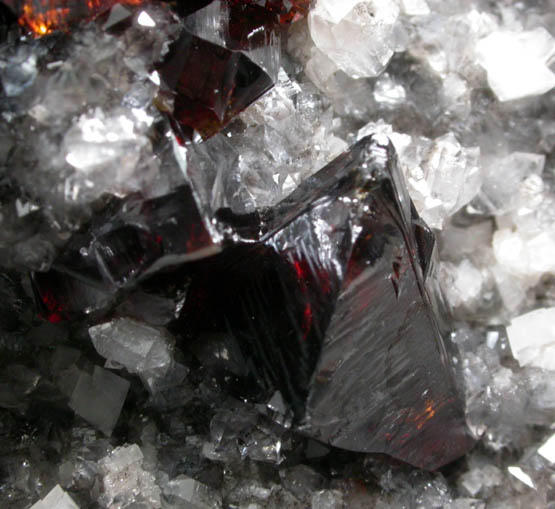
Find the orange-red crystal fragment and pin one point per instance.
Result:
(44, 16)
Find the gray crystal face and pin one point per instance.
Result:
(330, 308)
(99, 398)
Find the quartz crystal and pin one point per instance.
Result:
(98, 398)
(532, 338)
(139, 348)
(57, 498)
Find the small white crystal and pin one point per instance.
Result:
(516, 62)
(506, 193)
(521, 476)
(57, 498)
(415, 7)
(358, 36)
(126, 482)
(327, 499)
(442, 176)
(547, 450)
(136, 346)
(461, 284)
(532, 338)
(193, 494)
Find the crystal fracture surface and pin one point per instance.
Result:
(333, 303)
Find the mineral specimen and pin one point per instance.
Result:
(332, 303)
(217, 322)
(210, 85)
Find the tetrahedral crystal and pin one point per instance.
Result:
(331, 309)
(208, 85)
(322, 298)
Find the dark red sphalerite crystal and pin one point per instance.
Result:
(331, 309)
(209, 85)
(121, 247)
(285, 10)
(322, 298)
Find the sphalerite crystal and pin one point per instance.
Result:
(208, 85)
(322, 298)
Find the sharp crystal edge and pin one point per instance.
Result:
(330, 308)
(322, 298)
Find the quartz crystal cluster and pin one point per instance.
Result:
(265, 253)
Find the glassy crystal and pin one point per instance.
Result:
(208, 85)
(44, 16)
(57, 498)
(98, 398)
(359, 37)
(338, 273)
(517, 62)
(532, 338)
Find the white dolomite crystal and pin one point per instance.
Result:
(57, 498)
(532, 338)
(360, 37)
(517, 62)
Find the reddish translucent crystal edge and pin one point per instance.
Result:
(329, 306)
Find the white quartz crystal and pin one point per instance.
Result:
(358, 36)
(517, 62)
(415, 7)
(513, 190)
(106, 148)
(547, 450)
(57, 498)
(461, 284)
(442, 176)
(532, 338)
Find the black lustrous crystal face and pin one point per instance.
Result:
(327, 304)
(330, 308)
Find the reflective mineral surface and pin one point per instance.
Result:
(277, 254)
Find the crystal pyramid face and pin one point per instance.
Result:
(209, 85)
(322, 298)
(330, 308)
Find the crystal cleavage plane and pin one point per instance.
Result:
(322, 298)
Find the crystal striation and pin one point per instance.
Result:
(331, 309)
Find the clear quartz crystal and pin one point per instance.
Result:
(138, 347)
(57, 498)
(99, 398)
